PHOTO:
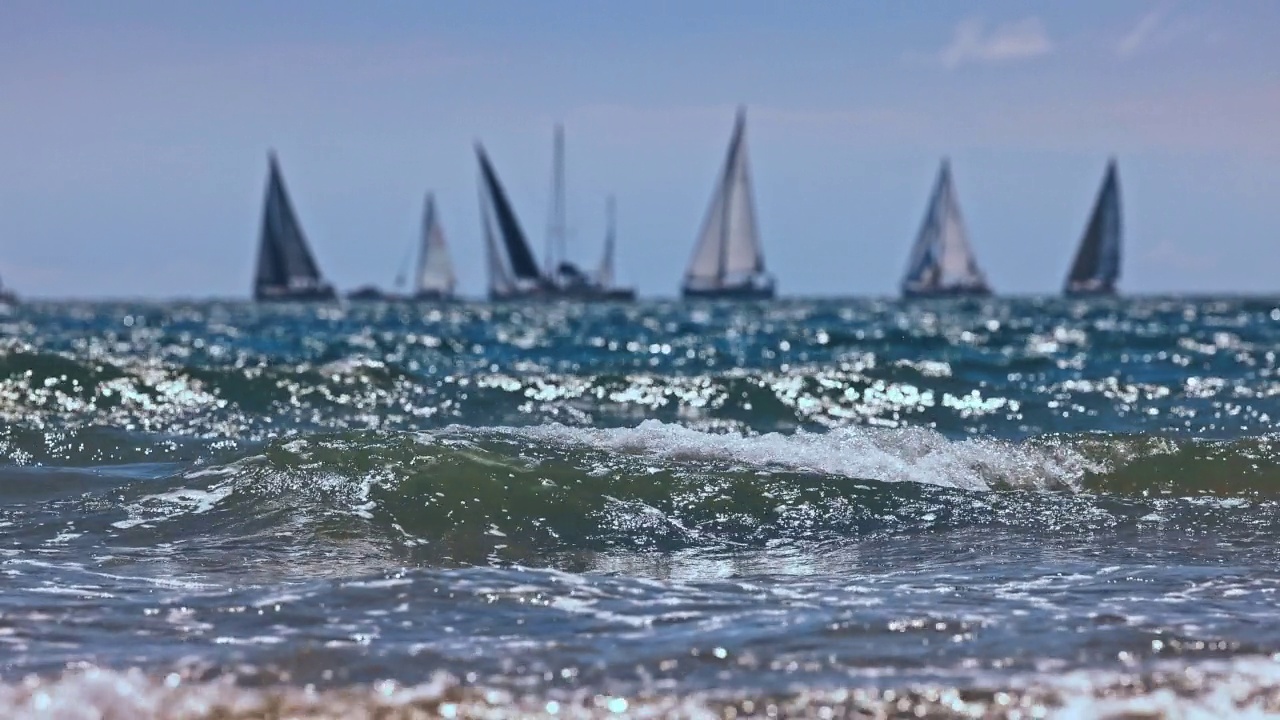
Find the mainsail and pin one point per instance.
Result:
(605, 273)
(435, 268)
(1097, 264)
(512, 264)
(728, 254)
(286, 268)
(941, 262)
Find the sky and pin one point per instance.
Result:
(134, 135)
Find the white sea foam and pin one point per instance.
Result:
(1242, 688)
(888, 455)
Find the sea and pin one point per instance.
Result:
(996, 508)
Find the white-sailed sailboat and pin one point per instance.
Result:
(728, 262)
(1097, 265)
(435, 279)
(942, 263)
(605, 273)
(286, 270)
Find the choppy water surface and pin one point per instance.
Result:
(1012, 508)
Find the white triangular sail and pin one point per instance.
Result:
(728, 251)
(435, 268)
(941, 259)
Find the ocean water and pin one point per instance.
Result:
(1011, 508)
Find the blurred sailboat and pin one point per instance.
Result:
(728, 262)
(514, 273)
(942, 264)
(433, 278)
(605, 276)
(7, 297)
(1097, 265)
(286, 269)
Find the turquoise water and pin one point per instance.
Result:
(998, 508)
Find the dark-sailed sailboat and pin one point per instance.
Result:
(287, 271)
(1097, 265)
(514, 273)
(942, 264)
(727, 261)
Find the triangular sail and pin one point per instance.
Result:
(500, 282)
(1097, 263)
(728, 251)
(435, 268)
(941, 259)
(498, 211)
(284, 259)
(605, 273)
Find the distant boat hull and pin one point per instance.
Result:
(589, 294)
(918, 294)
(323, 293)
(739, 292)
(1096, 292)
(373, 294)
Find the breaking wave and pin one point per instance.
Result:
(471, 495)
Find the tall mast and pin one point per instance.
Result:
(557, 230)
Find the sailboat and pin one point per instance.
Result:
(1097, 264)
(942, 264)
(604, 277)
(570, 280)
(286, 269)
(433, 278)
(7, 296)
(727, 261)
(514, 272)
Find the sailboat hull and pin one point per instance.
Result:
(583, 294)
(1094, 292)
(741, 292)
(323, 293)
(914, 294)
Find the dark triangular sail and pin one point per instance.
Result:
(1097, 265)
(286, 267)
(942, 262)
(520, 258)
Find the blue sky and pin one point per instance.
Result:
(133, 135)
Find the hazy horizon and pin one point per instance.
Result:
(134, 136)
